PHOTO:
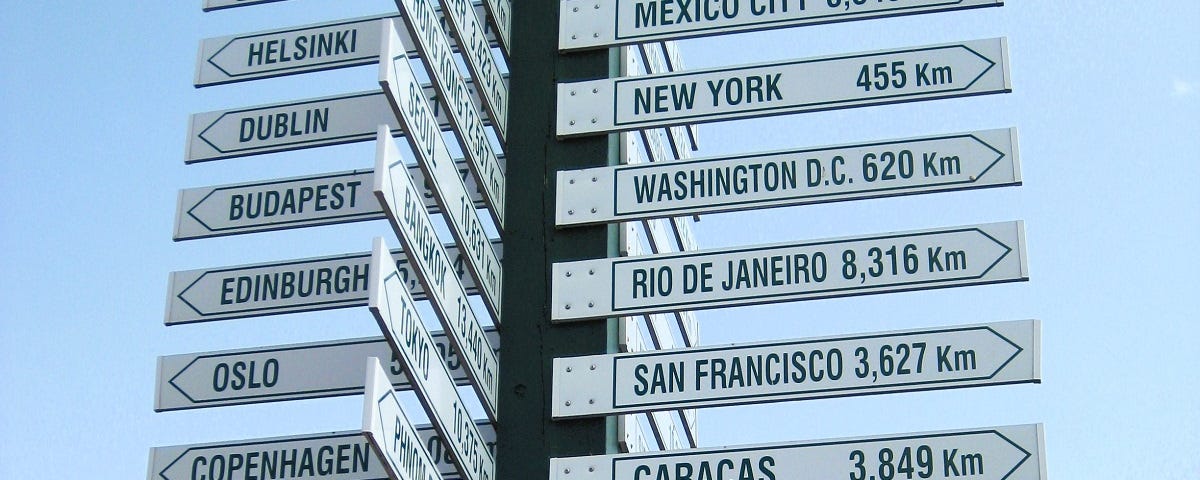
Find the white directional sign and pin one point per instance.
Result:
(283, 127)
(997, 453)
(410, 107)
(889, 362)
(282, 372)
(273, 288)
(396, 314)
(469, 30)
(400, 199)
(855, 80)
(390, 433)
(792, 177)
(586, 24)
(297, 202)
(464, 113)
(289, 51)
(330, 456)
(210, 5)
(893, 262)
(665, 433)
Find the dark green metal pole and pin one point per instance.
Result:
(526, 435)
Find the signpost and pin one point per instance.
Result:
(862, 79)
(332, 456)
(320, 283)
(464, 115)
(895, 262)
(395, 312)
(400, 199)
(287, 126)
(403, 94)
(290, 51)
(604, 23)
(889, 362)
(791, 177)
(282, 373)
(998, 453)
(297, 202)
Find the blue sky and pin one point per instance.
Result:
(1106, 99)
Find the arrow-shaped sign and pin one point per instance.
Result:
(281, 373)
(999, 453)
(587, 24)
(287, 126)
(791, 177)
(395, 312)
(296, 202)
(411, 108)
(290, 51)
(872, 78)
(464, 113)
(274, 288)
(888, 362)
(390, 433)
(400, 200)
(469, 31)
(331, 456)
(939, 258)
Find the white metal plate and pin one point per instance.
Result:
(463, 110)
(334, 456)
(1009, 453)
(587, 24)
(412, 224)
(389, 432)
(395, 312)
(902, 75)
(468, 29)
(500, 17)
(273, 288)
(998, 353)
(282, 372)
(283, 127)
(789, 177)
(403, 94)
(918, 260)
(297, 202)
(295, 50)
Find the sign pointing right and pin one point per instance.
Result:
(892, 262)
(876, 363)
(950, 70)
(792, 177)
(998, 453)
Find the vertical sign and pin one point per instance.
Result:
(390, 433)
(404, 94)
(401, 201)
(439, 61)
(396, 313)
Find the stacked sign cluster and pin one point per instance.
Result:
(664, 283)
(408, 356)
